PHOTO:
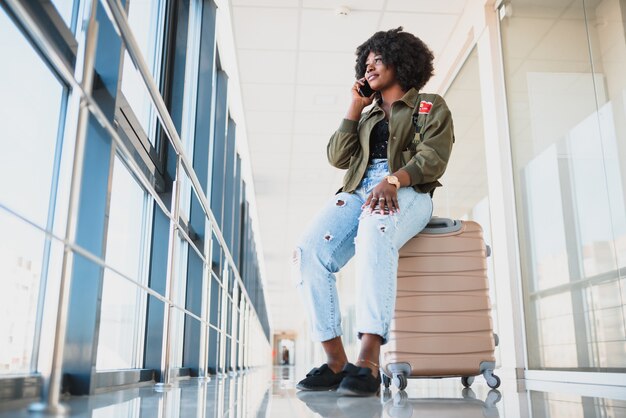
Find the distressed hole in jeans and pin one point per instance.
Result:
(340, 203)
(328, 237)
(382, 227)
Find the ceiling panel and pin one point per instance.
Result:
(317, 123)
(323, 30)
(322, 98)
(351, 4)
(310, 143)
(326, 69)
(272, 164)
(262, 28)
(277, 67)
(269, 142)
(434, 30)
(267, 3)
(268, 96)
(269, 122)
(430, 7)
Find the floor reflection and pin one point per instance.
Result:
(270, 392)
(330, 404)
(401, 406)
(234, 396)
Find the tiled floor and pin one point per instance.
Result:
(271, 393)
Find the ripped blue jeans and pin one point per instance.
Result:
(342, 230)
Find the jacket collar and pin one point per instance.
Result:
(409, 98)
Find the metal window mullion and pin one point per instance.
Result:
(142, 301)
(222, 317)
(206, 299)
(216, 277)
(43, 280)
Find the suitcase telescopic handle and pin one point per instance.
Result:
(438, 225)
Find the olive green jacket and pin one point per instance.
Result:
(421, 149)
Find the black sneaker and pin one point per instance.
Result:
(321, 378)
(360, 382)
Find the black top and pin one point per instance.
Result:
(378, 139)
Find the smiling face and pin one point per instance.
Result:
(378, 75)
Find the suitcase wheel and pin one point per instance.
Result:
(400, 381)
(386, 380)
(467, 381)
(493, 382)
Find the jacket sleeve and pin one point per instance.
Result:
(343, 144)
(433, 152)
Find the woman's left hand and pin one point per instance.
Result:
(384, 198)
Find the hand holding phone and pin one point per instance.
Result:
(365, 90)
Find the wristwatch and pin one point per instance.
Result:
(393, 180)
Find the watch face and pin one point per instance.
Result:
(393, 180)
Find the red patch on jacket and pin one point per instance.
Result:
(425, 107)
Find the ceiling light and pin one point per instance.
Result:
(342, 11)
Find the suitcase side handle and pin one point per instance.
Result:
(438, 225)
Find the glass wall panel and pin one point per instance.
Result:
(66, 10)
(146, 19)
(123, 308)
(32, 117)
(565, 73)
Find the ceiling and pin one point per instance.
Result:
(296, 67)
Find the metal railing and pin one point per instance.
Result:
(89, 106)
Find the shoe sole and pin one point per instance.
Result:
(320, 389)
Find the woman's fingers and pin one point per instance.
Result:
(396, 205)
(367, 202)
(383, 199)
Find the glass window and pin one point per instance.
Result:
(66, 10)
(123, 308)
(565, 73)
(31, 119)
(146, 19)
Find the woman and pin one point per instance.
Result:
(394, 153)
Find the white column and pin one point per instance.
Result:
(501, 197)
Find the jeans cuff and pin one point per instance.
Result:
(327, 335)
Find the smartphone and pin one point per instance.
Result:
(366, 90)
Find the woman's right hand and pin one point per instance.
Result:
(358, 102)
(356, 96)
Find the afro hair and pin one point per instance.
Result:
(403, 51)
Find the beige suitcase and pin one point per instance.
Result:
(442, 323)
